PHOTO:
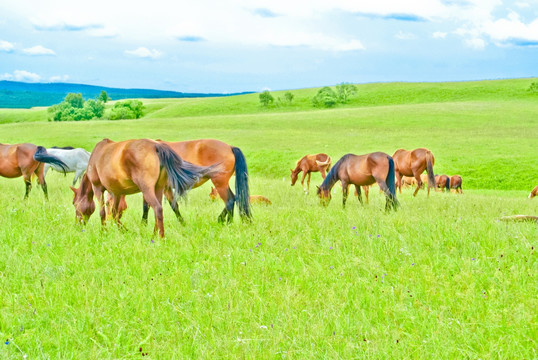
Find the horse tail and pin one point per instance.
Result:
(182, 175)
(447, 185)
(43, 156)
(391, 182)
(429, 168)
(242, 192)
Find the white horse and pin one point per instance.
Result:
(75, 159)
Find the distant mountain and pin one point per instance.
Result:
(15, 94)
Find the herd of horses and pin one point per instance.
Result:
(156, 168)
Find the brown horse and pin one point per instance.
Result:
(24, 160)
(533, 193)
(455, 183)
(133, 166)
(309, 164)
(442, 182)
(253, 199)
(413, 163)
(408, 181)
(361, 170)
(207, 152)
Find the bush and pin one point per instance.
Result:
(74, 108)
(266, 98)
(129, 109)
(533, 88)
(326, 97)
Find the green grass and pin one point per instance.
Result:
(440, 278)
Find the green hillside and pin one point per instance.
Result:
(485, 131)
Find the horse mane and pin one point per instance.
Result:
(332, 176)
(63, 148)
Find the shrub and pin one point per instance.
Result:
(129, 109)
(74, 108)
(533, 88)
(326, 97)
(266, 98)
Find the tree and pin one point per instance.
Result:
(266, 98)
(129, 109)
(326, 97)
(103, 96)
(345, 91)
(75, 100)
(289, 96)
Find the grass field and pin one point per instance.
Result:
(440, 278)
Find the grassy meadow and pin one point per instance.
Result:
(440, 278)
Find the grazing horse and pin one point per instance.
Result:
(361, 170)
(408, 181)
(455, 183)
(25, 160)
(253, 199)
(442, 182)
(205, 152)
(413, 163)
(75, 159)
(309, 164)
(133, 166)
(533, 193)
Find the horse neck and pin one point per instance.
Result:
(86, 188)
(332, 176)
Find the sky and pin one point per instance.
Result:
(227, 46)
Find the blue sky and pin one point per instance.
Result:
(245, 45)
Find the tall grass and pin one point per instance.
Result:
(440, 278)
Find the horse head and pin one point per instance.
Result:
(83, 200)
(294, 176)
(324, 195)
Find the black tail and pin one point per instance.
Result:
(447, 185)
(241, 184)
(43, 156)
(182, 175)
(391, 182)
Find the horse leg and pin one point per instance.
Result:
(28, 183)
(78, 174)
(345, 188)
(154, 199)
(99, 193)
(366, 189)
(399, 181)
(39, 171)
(359, 195)
(322, 171)
(383, 187)
(419, 184)
(173, 204)
(116, 214)
(229, 201)
(302, 181)
(145, 211)
(308, 182)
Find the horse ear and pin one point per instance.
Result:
(291, 170)
(74, 190)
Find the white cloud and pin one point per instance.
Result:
(6, 46)
(59, 78)
(143, 52)
(475, 43)
(439, 35)
(38, 50)
(512, 30)
(405, 35)
(21, 75)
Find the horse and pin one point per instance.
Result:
(133, 166)
(361, 170)
(442, 182)
(75, 159)
(24, 160)
(455, 183)
(408, 181)
(309, 164)
(205, 152)
(533, 193)
(413, 163)
(253, 199)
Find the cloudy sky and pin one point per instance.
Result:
(250, 45)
